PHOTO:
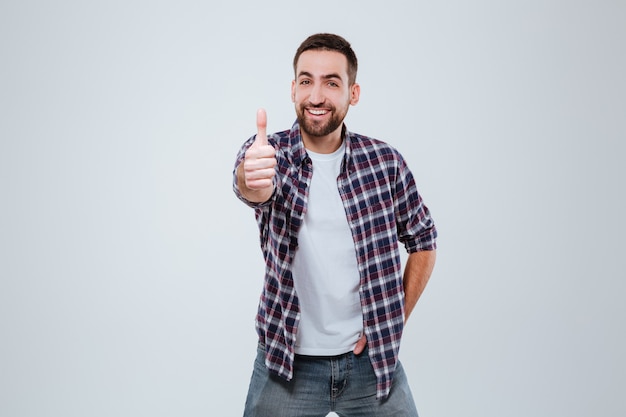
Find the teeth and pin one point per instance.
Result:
(317, 112)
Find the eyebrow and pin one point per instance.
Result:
(325, 76)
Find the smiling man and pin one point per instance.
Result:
(322, 92)
(332, 207)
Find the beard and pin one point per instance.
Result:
(319, 128)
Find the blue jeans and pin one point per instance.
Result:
(344, 384)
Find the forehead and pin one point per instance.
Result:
(322, 62)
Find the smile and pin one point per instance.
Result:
(317, 112)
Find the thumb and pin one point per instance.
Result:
(261, 125)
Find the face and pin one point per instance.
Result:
(321, 92)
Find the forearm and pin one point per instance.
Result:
(417, 272)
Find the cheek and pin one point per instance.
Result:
(298, 97)
(345, 99)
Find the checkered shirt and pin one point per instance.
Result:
(382, 206)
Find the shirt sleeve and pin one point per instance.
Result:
(416, 228)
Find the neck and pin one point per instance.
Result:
(323, 144)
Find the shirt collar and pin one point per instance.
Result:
(298, 151)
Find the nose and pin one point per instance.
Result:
(317, 96)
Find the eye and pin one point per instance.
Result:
(305, 82)
(333, 84)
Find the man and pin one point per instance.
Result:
(332, 206)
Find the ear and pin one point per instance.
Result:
(355, 93)
(293, 91)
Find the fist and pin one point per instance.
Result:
(260, 158)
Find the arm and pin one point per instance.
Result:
(417, 271)
(418, 268)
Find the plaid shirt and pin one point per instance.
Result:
(382, 206)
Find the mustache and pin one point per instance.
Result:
(317, 106)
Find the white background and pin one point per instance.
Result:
(130, 273)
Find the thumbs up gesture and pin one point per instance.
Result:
(259, 163)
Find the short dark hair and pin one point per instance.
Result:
(329, 42)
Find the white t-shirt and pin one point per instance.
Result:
(325, 271)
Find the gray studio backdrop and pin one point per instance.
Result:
(129, 273)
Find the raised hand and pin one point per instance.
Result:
(259, 162)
